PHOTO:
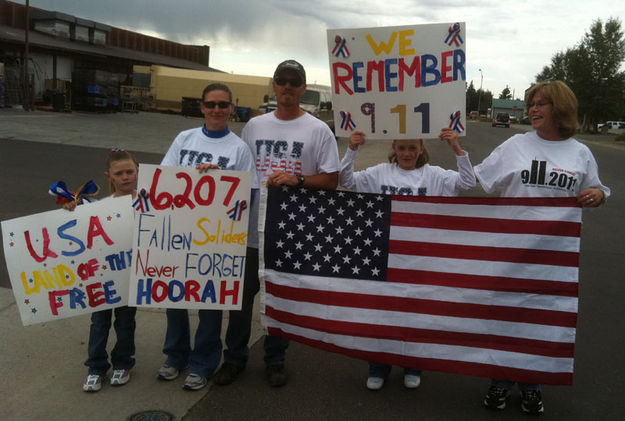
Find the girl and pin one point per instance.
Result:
(408, 173)
(122, 171)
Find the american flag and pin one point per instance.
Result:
(478, 286)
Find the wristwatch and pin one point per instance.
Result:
(300, 180)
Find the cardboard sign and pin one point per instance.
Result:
(64, 264)
(190, 238)
(398, 82)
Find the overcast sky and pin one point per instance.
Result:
(511, 41)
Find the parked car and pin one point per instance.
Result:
(513, 119)
(501, 119)
(615, 127)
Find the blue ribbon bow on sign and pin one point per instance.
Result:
(64, 195)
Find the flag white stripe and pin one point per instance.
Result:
(426, 292)
(484, 267)
(486, 239)
(426, 321)
(443, 352)
(513, 213)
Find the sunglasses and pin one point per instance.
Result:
(281, 81)
(220, 104)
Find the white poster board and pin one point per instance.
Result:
(190, 238)
(398, 82)
(64, 264)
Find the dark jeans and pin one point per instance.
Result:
(122, 354)
(383, 370)
(240, 322)
(507, 384)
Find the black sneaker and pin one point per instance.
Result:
(227, 373)
(532, 402)
(276, 375)
(496, 398)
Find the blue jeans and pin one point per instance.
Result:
(507, 384)
(383, 370)
(240, 323)
(122, 354)
(204, 358)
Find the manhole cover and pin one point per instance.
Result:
(151, 415)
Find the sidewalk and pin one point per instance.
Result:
(42, 375)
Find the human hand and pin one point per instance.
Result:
(591, 198)
(451, 137)
(356, 139)
(279, 178)
(70, 206)
(202, 168)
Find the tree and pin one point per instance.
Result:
(475, 97)
(505, 94)
(591, 70)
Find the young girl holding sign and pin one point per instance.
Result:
(408, 173)
(122, 171)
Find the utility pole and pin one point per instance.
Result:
(479, 97)
(26, 103)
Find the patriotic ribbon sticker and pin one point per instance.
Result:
(456, 124)
(141, 203)
(65, 195)
(454, 35)
(237, 211)
(341, 46)
(346, 121)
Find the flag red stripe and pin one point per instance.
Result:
(566, 202)
(493, 254)
(432, 364)
(407, 334)
(504, 226)
(493, 283)
(420, 306)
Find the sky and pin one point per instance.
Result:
(510, 41)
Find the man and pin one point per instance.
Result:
(211, 146)
(292, 148)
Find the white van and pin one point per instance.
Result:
(615, 127)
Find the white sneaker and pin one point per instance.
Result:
(412, 381)
(120, 377)
(194, 382)
(93, 383)
(375, 383)
(167, 372)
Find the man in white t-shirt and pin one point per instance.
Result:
(291, 147)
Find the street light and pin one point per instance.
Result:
(479, 96)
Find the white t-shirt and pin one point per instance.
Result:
(192, 147)
(528, 166)
(389, 178)
(304, 146)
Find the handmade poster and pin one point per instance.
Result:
(398, 82)
(64, 264)
(189, 238)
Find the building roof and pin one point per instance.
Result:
(16, 36)
(508, 104)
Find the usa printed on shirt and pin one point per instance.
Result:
(479, 286)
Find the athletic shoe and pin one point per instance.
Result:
(167, 372)
(120, 377)
(227, 373)
(411, 381)
(532, 402)
(276, 375)
(194, 382)
(496, 398)
(93, 383)
(375, 383)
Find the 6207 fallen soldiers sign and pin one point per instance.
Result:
(398, 82)
(64, 264)
(190, 238)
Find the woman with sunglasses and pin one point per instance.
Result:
(212, 146)
(546, 162)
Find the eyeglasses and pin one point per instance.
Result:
(539, 104)
(220, 104)
(281, 81)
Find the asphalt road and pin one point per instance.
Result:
(330, 386)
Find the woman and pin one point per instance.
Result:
(546, 162)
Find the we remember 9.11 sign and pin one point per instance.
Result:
(190, 238)
(398, 82)
(64, 264)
